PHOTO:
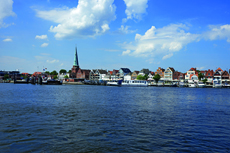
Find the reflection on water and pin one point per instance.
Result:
(36, 118)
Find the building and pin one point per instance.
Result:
(190, 72)
(122, 72)
(144, 72)
(168, 74)
(134, 75)
(160, 71)
(217, 76)
(178, 76)
(209, 76)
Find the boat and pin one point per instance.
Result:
(191, 84)
(135, 83)
(181, 84)
(174, 84)
(217, 85)
(201, 84)
(160, 83)
(226, 85)
(114, 83)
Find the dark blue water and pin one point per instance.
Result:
(78, 118)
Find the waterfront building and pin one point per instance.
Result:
(194, 77)
(160, 71)
(217, 76)
(178, 76)
(190, 72)
(209, 76)
(123, 72)
(168, 74)
(108, 75)
(97, 74)
(134, 75)
(61, 76)
(11, 74)
(92, 74)
(144, 71)
(75, 67)
(128, 76)
(115, 75)
(225, 77)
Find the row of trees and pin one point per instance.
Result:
(145, 77)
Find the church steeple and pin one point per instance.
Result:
(76, 59)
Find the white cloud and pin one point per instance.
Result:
(162, 41)
(167, 56)
(89, 18)
(135, 9)
(200, 68)
(124, 30)
(41, 37)
(7, 40)
(6, 10)
(218, 32)
(44, 44)
(52, 61)
(127, 52)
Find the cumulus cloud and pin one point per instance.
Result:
(135, 9)
(89, 18)
(162, 41)
(41, 37)
(6, 10)
(218, 32)
(7, 40)
(44, 44)
(125, 30)
(167, 56)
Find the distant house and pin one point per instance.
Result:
(144, 72)
(108, 75)
(151, 75)
(225, 77)
(37, 74)
(134, 75)
(194, 77)
(128, 76)
(190, 72)
(217, 76)
(168, 74)
(160, 71)
(61, 76)
(115, 75)
(123, 71)
(209, 76)
(82, 74)
(92, 75)
(178, 76)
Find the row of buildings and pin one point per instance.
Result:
(169, 74)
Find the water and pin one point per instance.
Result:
(78, 118)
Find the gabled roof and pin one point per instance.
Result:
(102, 71)
(219, 69)
(225, 73)
(192, 69)
(126, 70)
(172, 69)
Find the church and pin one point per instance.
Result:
(77, 74)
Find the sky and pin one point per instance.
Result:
(114, 34)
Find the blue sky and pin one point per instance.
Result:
(111, 34)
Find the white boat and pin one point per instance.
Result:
(217, 85)
(133, 83)
(160, 83)
(201, 85)
(191, 84)
(114, 83)
(181, 84)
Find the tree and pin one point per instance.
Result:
(54, 72)
(62, 71)
(200, 76)
(205, 80)
(47, 72)
(157, 78)
(145, 77)
(55, 77)
(69, 71)
(6, 76)
(66, 77)
(140, 77)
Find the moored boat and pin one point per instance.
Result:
(114, 83)
(133, 83)
(201, 85)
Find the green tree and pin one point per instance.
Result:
(62, 71)
(6, 76)
(200, 76)
(47, 72)
(66, 77)
(55, 77)
(140, 77)
(157, 78)
(145, 77)
(205, 80)
(69, 71)
(54, 72)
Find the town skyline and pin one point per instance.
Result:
(114, 34)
